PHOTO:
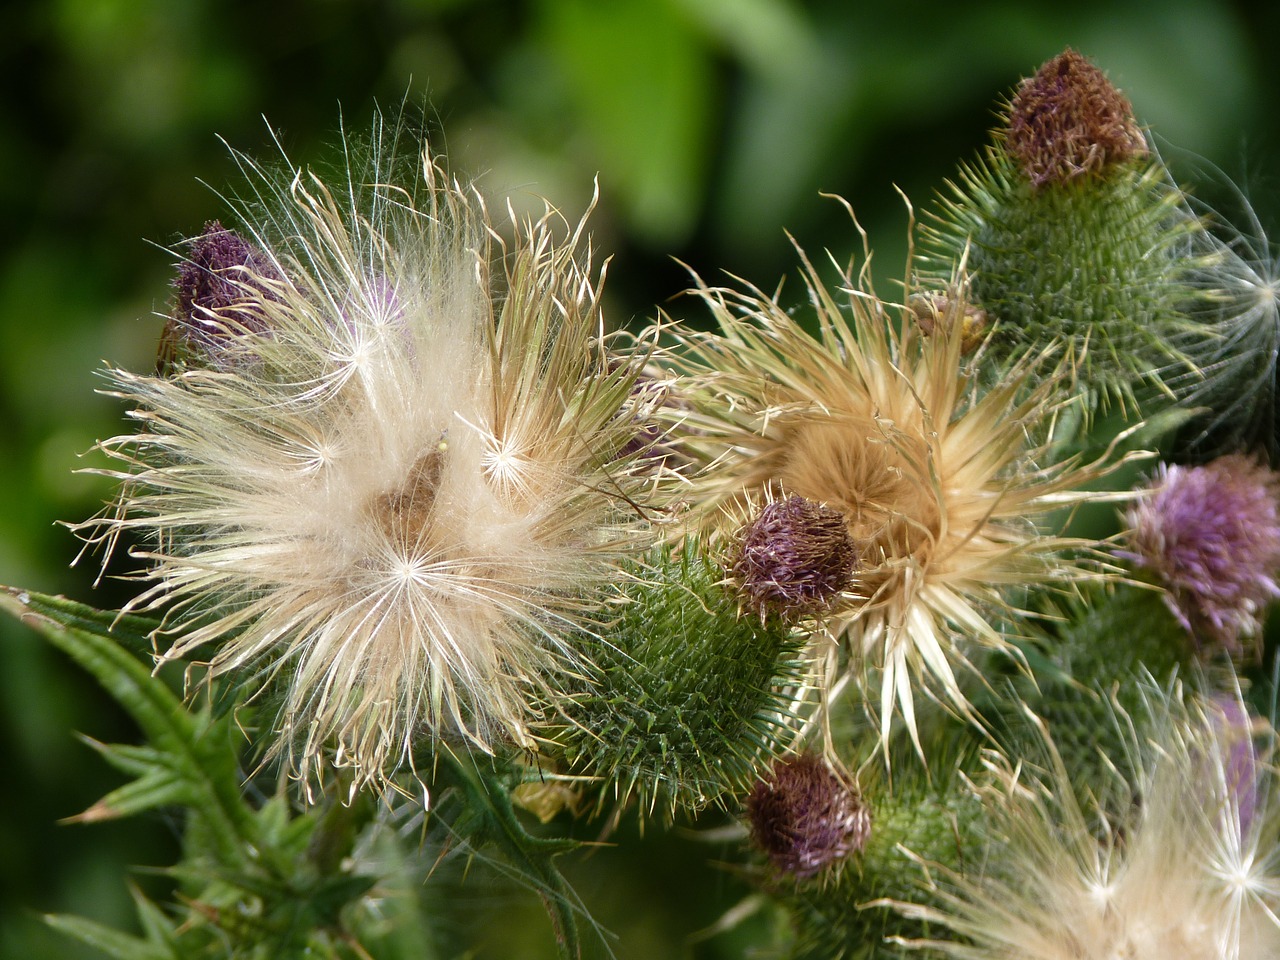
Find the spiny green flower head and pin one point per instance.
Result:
(850, 914)
(937, 481)
(1211, 536)
(683, 700)
(1178, 860)
(388, 469)
(1106, 644)
(1074, 235)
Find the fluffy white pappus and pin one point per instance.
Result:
(1236, 339)
(389, 475)
(1178, 859)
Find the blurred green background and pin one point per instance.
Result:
(712, 124)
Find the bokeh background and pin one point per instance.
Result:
(713, 126)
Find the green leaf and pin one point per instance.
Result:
(156, 788)
(489, 816)
(194, 749)
(122, 946)
(129, 630)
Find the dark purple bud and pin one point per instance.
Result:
(1069, 121)
(794, 558)
(805, 817)
(216, 293)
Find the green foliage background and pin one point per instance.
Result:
(712, 124)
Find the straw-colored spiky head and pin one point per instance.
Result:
(938, 484)
(396, 488)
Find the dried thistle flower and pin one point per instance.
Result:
(1238, 288)
(1211, 535)
(1179, 859)
(1069, 121)
(400, 491)
(794, 558)
(938, 483)
(805, 817)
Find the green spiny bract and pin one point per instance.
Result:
(684, 698)
(1103, 655)
(847, 916)
(1098, 260)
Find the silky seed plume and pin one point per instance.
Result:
(394, 490)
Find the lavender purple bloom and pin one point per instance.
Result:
(1211, 535)
(1238, 758)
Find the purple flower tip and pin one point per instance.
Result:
(794, 558)
(805, 817)
(1211, 534)
(215, 282)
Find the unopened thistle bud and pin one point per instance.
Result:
(1069, 121)
(794, 558)
(215, 291)
(805, 817)
(1211, 535)
(682, 701)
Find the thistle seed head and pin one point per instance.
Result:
(936, 480)
(1170, 858)
(402, 479)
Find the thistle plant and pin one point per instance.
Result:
(1075, 235)
(371, 471)
(939, 482)
(859, 588)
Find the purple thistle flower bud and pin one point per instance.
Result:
(805, 817)
(1069, 121)
(214, 293)
(794, 558)
(1211, 535)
